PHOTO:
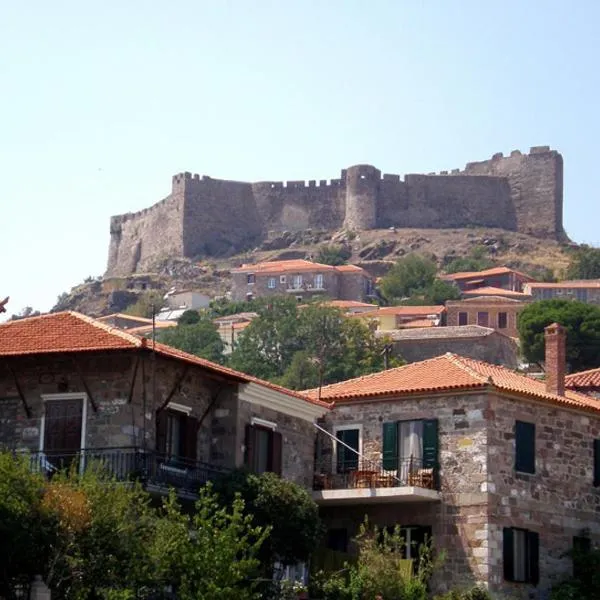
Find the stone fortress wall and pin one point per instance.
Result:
(205, 216)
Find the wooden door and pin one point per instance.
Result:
(62, 430)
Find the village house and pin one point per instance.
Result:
(231, 326)
(586, 382)
(301, 279)
(389, 318)
(496, 277)
(501, 470)
(585, 290)
(498, 313)
(75, 389)
(414, 344)
(140, 326)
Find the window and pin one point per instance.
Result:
(176, 435)
(282, 279)
(596, 463)
(524, 447)
(410, 447)
(251, 278)
(296, 282)
(483, 319)
(463, 318)
(263, 449)
(318, 281)
(249, 297)
(347, 450)
(502, 320)
(337, 539)
(413, 538)
(272, 283)
(520, 551)
(581, 546)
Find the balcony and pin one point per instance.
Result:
(304, 288)
(157, 472)
(367, 482)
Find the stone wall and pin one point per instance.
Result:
(490, 306)
(205, 216)
(558, 501)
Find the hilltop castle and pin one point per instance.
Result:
(205, 216)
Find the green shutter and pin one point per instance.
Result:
(524, 447)
(508, 557)
(533, 557)
(597, 463)
(390, 446)
(430, 444)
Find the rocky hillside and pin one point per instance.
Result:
(375, 250)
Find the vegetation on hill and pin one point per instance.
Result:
(413, 279)
(582, 322)
(585, 263)
(334, 254)
(476, 260)
(200, 337)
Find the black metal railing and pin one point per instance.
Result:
(355, 472)
(153, 469)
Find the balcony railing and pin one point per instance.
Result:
(154, 470)
(355, 474)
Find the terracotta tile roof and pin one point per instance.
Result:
(416, 323)
(494, 291)
(147, 329)
(448, 332)
(71, 332)
(583, 379)
(351, 304)
(243, 316)
(410, 310)
(283, 266)
(448, 373)
(140, 320)
(486, 300)
(576, 283)
(486, 273)
(294, 266)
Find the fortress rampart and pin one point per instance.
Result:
(205, 216)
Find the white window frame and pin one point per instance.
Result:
(297, 282)
(67, 396)
(282, 279)
(182, 408)
(263, 423)
(272, 283)
(337, 428)
(318, 281)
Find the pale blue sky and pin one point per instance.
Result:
(103, 102)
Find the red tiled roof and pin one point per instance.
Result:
(576, 283)
(411, 310)
(294, 266)
(584, 379)
(351, 304)
(494, 291)
(62, 332)
(416, 323)
(486, 273)
(447, 373)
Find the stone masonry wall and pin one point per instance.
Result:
(459, 521)
(298, 447)
(522, 192)
(493, 308)
(558, 501)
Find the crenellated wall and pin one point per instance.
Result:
(214, 217)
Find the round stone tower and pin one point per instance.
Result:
(362, 188)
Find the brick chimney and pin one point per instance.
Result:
(555, 337)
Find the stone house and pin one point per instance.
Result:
(75, 389)
(586, 290)
(470, 341)
(498, 277)
(498, 313)
(503, 471)
(389, 318)
(231, 326)
(134, 324)
(301, 279)
(494, 291)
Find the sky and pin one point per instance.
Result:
(102, 102)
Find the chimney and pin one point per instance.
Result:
(555, 336)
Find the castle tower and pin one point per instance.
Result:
(362, 188)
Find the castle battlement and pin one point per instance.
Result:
(202, 215)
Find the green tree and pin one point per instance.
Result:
(300, 347)
(212, 554)
(285, 507)
(582, 322)
(410, 276)
(189, 317)
(146, 304)
(585, 263)
(476, 260)
(440, 291)
(334, 255)
(201, 339)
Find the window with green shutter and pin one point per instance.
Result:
(524, 447)
(390, 446)
(430, 444)
(596, 463)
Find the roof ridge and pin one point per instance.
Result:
(136, 341)
(457, 360)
